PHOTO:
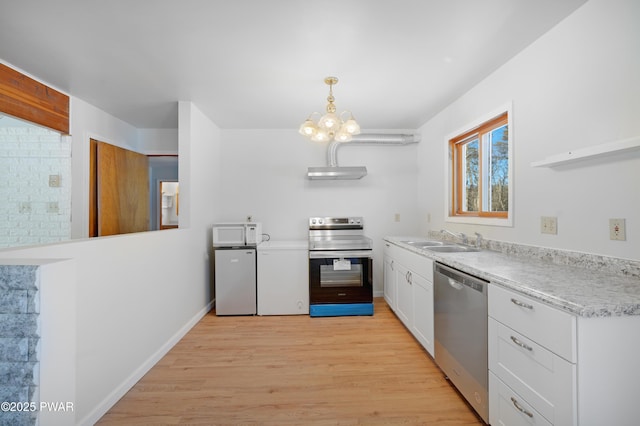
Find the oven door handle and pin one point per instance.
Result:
(338, 254)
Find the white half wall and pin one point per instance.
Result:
(138, 294)
(575, 87)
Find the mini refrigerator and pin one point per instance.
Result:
(235, 281)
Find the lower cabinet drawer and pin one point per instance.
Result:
(547, 326)
(542, 378)
(507, 408)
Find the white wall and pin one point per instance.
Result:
(264, 175)
(158, 141)
(575, 87)
(138, 293)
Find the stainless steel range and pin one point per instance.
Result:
(340, 267)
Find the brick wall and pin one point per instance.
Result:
(35, 185)
(19, 367)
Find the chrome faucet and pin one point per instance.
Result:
(464, 238)
(478, 240)
(446, 231)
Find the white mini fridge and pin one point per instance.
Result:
(235, 281)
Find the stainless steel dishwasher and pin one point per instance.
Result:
(460, 309)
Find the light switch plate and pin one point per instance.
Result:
(54, 181)
(617, 229)
(549, 225)
(25, 207)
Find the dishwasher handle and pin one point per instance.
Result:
(455, 284)
(458, 279)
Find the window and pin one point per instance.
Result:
(480, 173)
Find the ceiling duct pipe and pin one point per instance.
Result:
(333, 171)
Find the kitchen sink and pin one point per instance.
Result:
(452, 249)
(423, 244)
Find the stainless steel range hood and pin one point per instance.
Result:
(335, 172)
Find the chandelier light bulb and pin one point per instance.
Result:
(321, 136)
(308, 128)
(330, 122)
(342, 137)
(330, 126)
(350, 126)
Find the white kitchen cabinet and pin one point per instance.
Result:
(551, 367)
(389, 275)
(408, 290)
(608, 371)
(531, 359)
(507, 408)
(552, 328)
(423, 311)
(540, 377)
(404, 308)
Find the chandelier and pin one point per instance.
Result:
(330, 126)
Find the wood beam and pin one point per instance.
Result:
(25, 98)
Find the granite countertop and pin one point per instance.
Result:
(579, 290)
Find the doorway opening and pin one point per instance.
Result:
(169, 204)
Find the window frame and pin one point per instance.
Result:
(453, 172)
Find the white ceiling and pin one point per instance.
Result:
(260, 64)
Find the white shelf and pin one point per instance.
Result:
(591, 152)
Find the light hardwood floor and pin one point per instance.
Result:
(285, 370)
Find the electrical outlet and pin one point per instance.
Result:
(25, 207)
(52, 207)
(397, 217)
(549, 225)
(617, 229)
(54, 181)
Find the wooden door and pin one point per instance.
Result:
(120, 179)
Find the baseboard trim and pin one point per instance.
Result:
(106, 404)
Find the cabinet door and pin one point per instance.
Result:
(390, 289)
(423, 311)
(405, 295)
(509, 409)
